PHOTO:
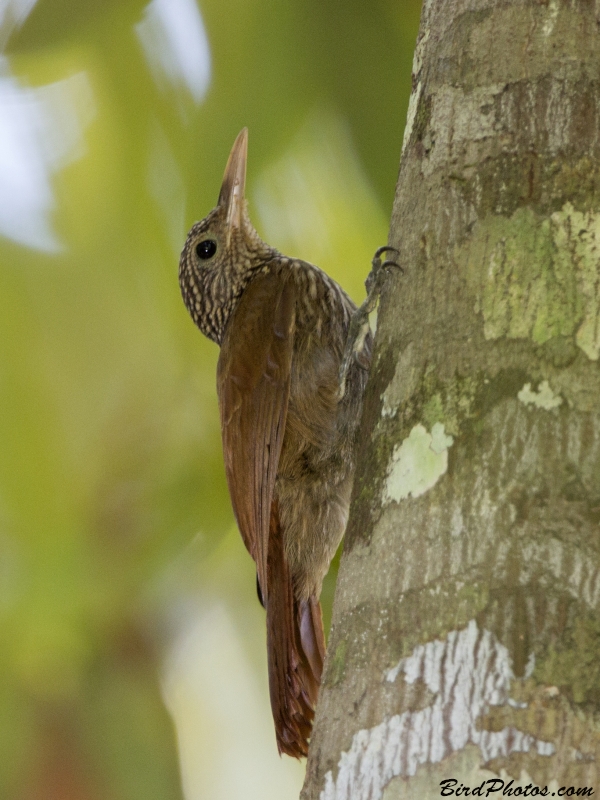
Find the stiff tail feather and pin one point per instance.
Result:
(296, 649)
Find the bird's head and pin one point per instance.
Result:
(222, 251)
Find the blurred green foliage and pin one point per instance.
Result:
(113, 504)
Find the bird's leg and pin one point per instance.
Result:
(359, 324)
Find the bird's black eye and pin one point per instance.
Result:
(206, 249)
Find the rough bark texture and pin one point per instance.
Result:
(466, 630)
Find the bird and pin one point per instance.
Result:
(293, 364)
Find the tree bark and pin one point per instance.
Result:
(466, 636)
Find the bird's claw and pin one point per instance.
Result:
(386, 248)
(359, 324)
(378, 268)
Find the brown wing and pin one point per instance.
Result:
(253, 383)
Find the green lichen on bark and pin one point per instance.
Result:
(571, 662)
(433, 411)
(337, 667)
(537, 278)
(460, 402)
(451, 402)
(577, 238)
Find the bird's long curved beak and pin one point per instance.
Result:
(231, 197)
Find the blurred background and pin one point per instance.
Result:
(132, 645)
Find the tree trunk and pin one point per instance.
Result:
(466, 636)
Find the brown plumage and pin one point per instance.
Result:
(288, 430)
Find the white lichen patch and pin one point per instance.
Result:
(417, 463)
(469, 671)
(575, 569)
(389, 406)
(460, 119)
(550, 22)
(413, 104)
(467, 112)
(419, 52)
(543, 398)
(440, 442)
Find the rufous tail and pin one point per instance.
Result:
(296, 649)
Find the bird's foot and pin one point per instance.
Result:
(376, 277)
(359, 324)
